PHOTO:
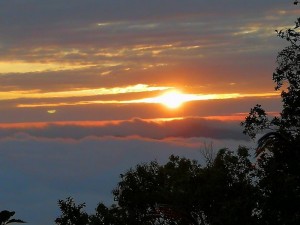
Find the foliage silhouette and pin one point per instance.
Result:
(108, 215)
(5, 218)
(287, 74)
(181, 192)
(278, 151)
(72, 214)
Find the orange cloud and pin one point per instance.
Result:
(154, 100)
(26, 67)
(37, 94)
(152, 128)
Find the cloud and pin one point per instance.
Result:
(183, 128)
(109, 112)
(179, 44)
(101, 34)
(38, 94)
(37, 171)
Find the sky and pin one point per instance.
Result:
(91, 88)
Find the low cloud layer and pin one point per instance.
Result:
(36, 172)
(182, 128)
(43, 162)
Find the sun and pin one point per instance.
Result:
(173, 99)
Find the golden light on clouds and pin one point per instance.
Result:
(172, 99)
(28, 67)
(37, 94)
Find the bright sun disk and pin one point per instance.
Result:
(172, 99)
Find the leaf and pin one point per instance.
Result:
(5, 215)
(15, 221)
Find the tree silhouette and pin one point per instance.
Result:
(109, 216)
(184, 192)
(180, 192)
(72, 214)
(286, 77)
(278, 150)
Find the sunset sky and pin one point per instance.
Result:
(90, 88)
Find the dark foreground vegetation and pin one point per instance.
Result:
(231, 188)
(6, 218)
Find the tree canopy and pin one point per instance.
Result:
(278, 149)
(179, 192)
(287, 78)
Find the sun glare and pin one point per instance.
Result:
(172, 99)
